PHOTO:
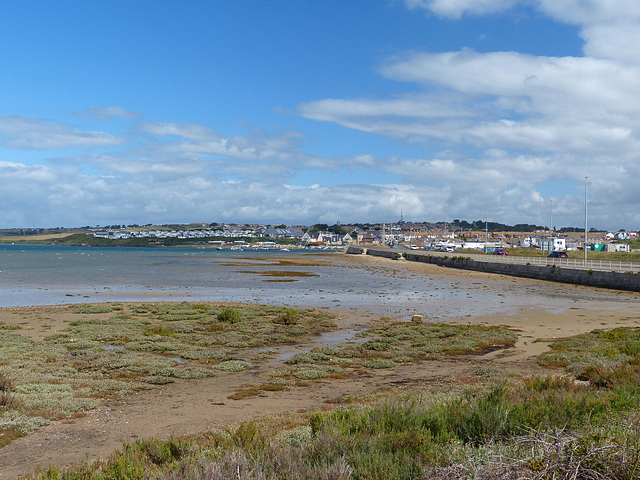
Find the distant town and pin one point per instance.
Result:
(444, 236)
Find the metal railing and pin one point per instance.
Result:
(573, 263)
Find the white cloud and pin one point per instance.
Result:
(34, 133)
(589, 12)
(505, 123)
(457, 8)
(537, 118)
(610, 28)
(188, 131)
(258, 156)
(108, 112)
(413, 106)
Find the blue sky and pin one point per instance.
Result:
(298, 112)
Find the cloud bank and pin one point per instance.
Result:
(498, 135)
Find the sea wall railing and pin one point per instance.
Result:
(573, 263)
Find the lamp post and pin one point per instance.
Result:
(486, 231)
(585, 220)
(550, 244)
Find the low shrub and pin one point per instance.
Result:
(229, 315)
(6, 391)
(288, 317)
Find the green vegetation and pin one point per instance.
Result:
(493, 226)
(111, 350)
(580, 423)
(598, 349)
(394, 344)
(229, 315)
(499, 426)
(634, 244)
(288, 317)
(9, 326)
(323, 227)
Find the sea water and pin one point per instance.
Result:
(49, 275)
(39, 275)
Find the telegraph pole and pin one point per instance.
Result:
(585, 220)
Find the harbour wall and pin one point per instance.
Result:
(591, 278)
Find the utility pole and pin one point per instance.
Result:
(486, 230)
(550, 245)
(585, 220)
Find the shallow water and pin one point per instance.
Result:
(40, 275)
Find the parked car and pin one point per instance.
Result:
(558, 255)
(500, 251)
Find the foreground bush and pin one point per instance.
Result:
(541, 428)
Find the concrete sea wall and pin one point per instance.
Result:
(591, 278)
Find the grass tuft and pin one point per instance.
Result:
(9, 326)
(234, 366)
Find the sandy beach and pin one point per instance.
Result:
(533, 309)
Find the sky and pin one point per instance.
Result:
(297, 112)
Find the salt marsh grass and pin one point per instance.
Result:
(396, 344)
(581, 422)
(543, 428)
(596, 348)
(114, 349)
(234, 366)
(9, 326)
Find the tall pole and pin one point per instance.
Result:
(486, 231)
(585, 220)
(550, 217)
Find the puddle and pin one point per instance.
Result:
(113, 347)
(336, 337)
(556, 310)
(179, 360)
(327, 339)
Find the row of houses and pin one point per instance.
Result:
(543, 243)
(392, 234)
(183, 234)
(326, 239)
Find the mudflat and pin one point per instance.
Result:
(536, 311)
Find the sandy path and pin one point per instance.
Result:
(190, 406)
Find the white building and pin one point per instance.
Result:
(546, 244)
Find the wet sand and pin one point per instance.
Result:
(535, 309)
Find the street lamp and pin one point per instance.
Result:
(585, 220)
